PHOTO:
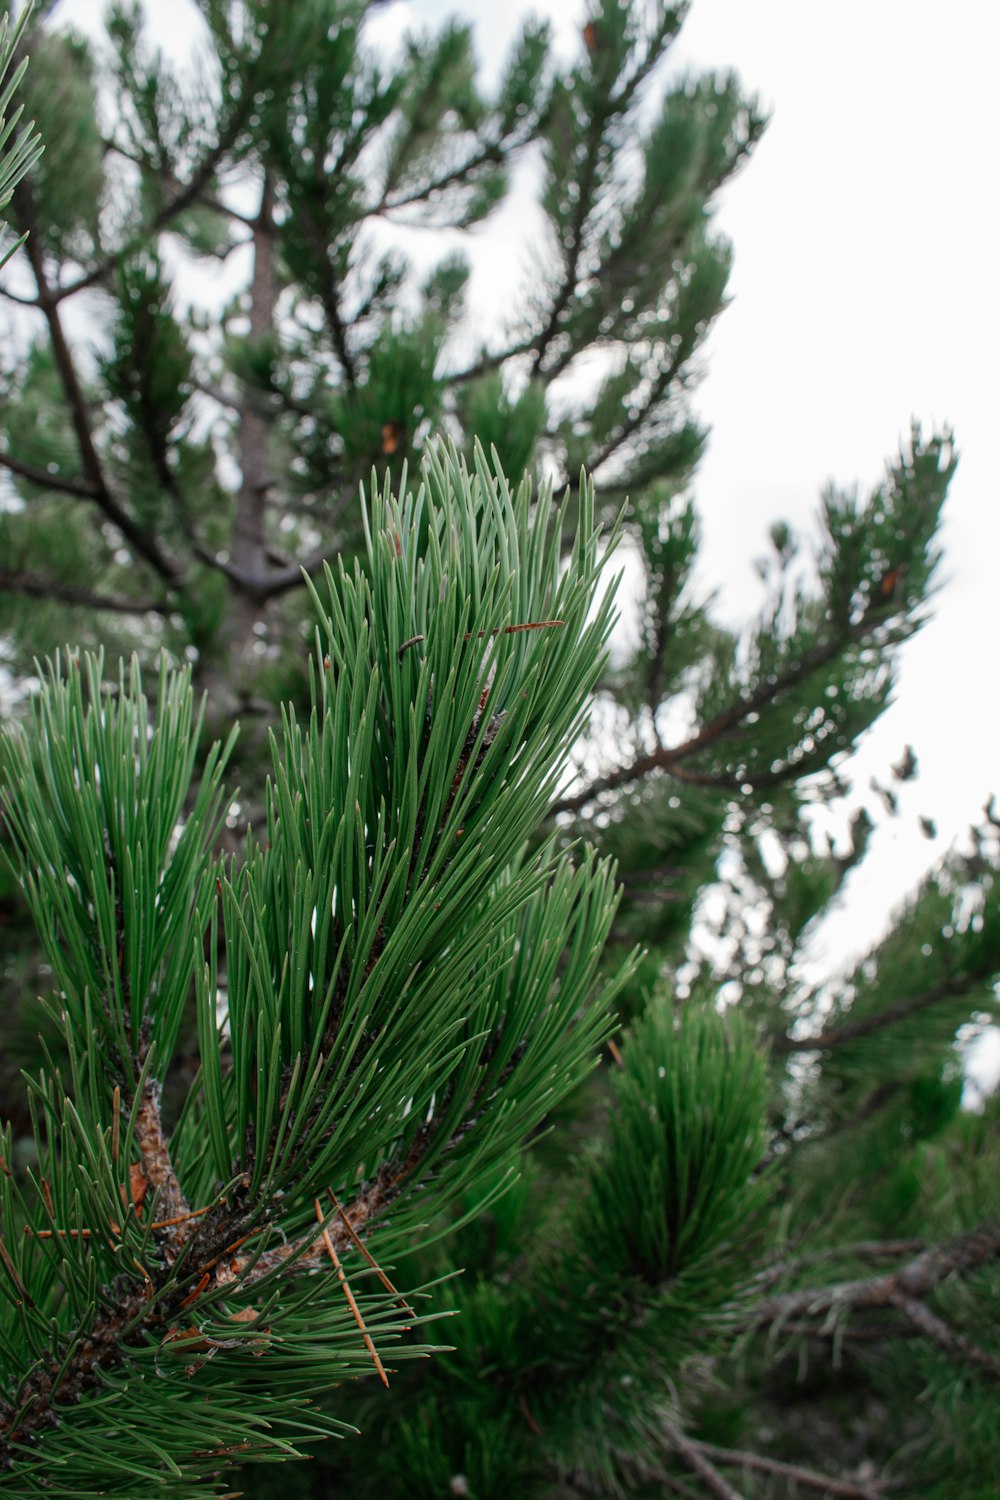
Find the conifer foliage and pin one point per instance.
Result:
(20, 152)
(408, 991)
(311, 1050)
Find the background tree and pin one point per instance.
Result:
(754, 1263)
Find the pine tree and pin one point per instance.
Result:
(124, 415)
(756, 1253)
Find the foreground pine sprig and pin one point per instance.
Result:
(391, 989)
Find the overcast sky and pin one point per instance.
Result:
(865, 292)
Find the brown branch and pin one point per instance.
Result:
(941, 1333)
(901, 1010)
(173, 1209)
(130, 1316)
(698, 1462)
(724, 725)
(861, 1250)
(916, 1279)
(140, 540)
(842, 1488)
(36, 587)
(82, 489)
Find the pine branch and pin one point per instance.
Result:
(255, 437)
(487, 363)
(491, 152)
(661, 386)
(900, 1010)
(36, 587)
(574, 251)
(698, 1461)
(168, 178)
(187, 194)
(794, 1473)
(82, 489)
(128, 1318)
(140, 539)
(387, 205)
(656, 45)
(671, 758)
(329, 294)
(941, 1333)
(911, 1283)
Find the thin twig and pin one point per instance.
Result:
(842, 1488)
(916, 1279)
(942, 1334)
(697, 1461)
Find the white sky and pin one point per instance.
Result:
(865, 291)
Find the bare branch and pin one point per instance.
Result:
(699, 1463)
(917, 1278)
(942, 1333)
(861, 1250)
(842, 1488)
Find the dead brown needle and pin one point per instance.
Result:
(513, 629)
(115, 1126)
(195, 1213)
(349, 1294)
(58, 1234)
(359, 1245)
